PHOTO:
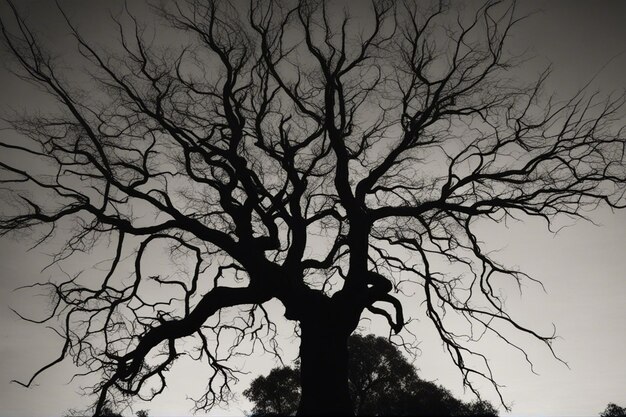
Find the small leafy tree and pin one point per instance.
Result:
(382, 382)
(277, 393)
(613, 410)
(107, 410)
(479, 408)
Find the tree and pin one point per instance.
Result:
(291, 153)
(613, 410)
(480, 408)
(107, 410)
(382, 382)
(380, 377)
(277, 393)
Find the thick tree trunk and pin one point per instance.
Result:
(324, 367)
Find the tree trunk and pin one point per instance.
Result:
(324, 366)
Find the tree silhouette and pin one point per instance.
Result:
(290, 152)
(277, 393)
(613, 410)
(107, 410)
(382, 382)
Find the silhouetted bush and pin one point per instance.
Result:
(382, 382)
(107, 411)
(613, 410)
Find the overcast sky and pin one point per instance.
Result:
(583, 267)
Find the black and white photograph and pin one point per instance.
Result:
(312, 208)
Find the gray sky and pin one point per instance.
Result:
(583, 267)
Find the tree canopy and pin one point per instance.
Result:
(337, 160)
(613, 410)
(277, 393)
(382, 382)
(107, 410)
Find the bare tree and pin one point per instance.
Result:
(292, 152)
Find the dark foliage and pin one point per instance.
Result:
(277, 393)
(382, 382)
(613, 410)
(107, 411)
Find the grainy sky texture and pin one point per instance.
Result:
(583, 267)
